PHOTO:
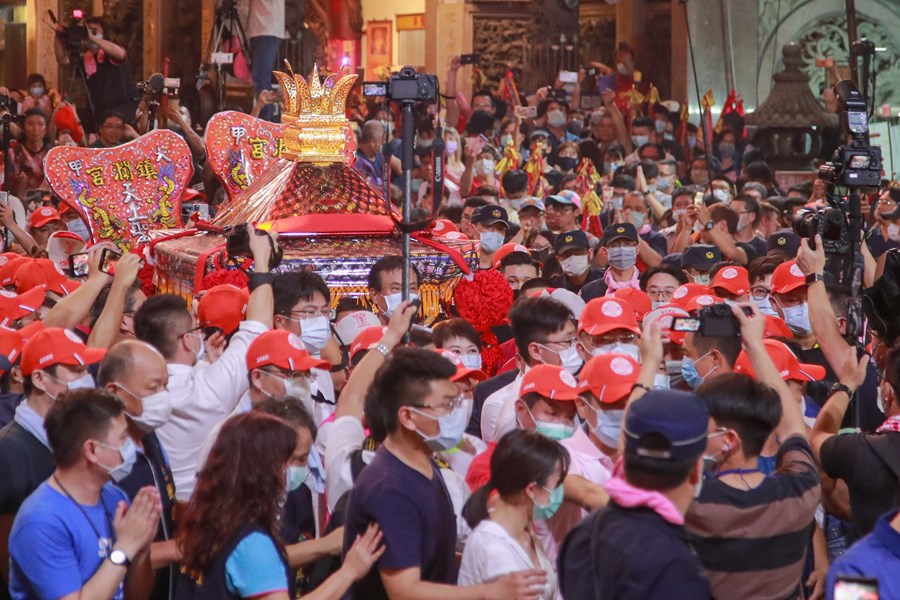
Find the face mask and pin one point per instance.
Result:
(566, 163)
(726, 149)
(676, 214)
(393, 301)
(637, 219)
(702, 278)
(415, 184)
(299, 388)
(619, 348)
(622, 68)
(663, 183)
(295, 476)
(690, 374)
(556, 118)
(452, 426)
(660, 126)
(506, 140)
(609, 426)
(542, 513)
(424, 143)
(155, 412)
(575, 265)
(651, 187)
(668, 136)
(569, 358)
(575, 127)
(660, 382)
(128, 452)
(37, 91)
(201, 351)
(471, 361)
(613, 167)
(640, 140)
(742, 224)
(765, 306)
(490, 241)
(85, 382)
(721, 195)
(615, 202)
(673, 368)
(314, 333)
(664, 199)
(893, 232)
(484, 167)
(452, 146)
(692, 141)
(623, 257)
(796, 317)
(78, 227)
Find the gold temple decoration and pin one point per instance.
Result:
(317, 128)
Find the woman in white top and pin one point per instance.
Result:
(527, 473)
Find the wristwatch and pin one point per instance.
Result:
(814, 278)
(709, 225)
(841, 387)
(119, 558)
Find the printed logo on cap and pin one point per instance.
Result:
(295, 342)
(681, 292)
(795, 270)
(496, 213)
(72, 336)
(729, 273)
(611, 309)
(710, 254)
(621, 366)
(263, 357)
(781, 241)
(520, 248)
(620, 229)
(705, 300)
(46, 211)
(568, 238)
(453, 235)
(567, 378)
(452, 357)
(438, 226)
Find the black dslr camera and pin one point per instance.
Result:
(830, 223)
(237, 244)
(715, 320)
(407, 85)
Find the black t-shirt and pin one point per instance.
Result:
(151, 468)
(561, 280)
(416, 516)
(755, 248)
(629, 554)
(870, 417)
(8, 404)
(112, 86)
(25, 463)
(872, 485)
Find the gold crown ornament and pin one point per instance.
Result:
(315, 114)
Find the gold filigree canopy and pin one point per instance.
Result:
(315, 114)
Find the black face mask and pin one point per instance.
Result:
(566, 163)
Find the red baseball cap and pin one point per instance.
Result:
(15, 306)
(506, 249)
(609, 377)
(787, 277)
(57, 346)
(284, 350)
(550, 382)
(31, 329)
(788, 365)
(42, 216)
(42, 271)
(665, 314)
(683, 293)
(442, 227)
(605, 314)
(462, 371)
(9, 264)
(223, 306)
(366, 338)
(735, 280)
(638, 300)
(701, 301)
(776, 327)
(11, 344)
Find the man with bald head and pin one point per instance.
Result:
(136, 372)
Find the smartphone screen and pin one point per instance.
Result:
(108, 261)
(78, 264)
(855, 588)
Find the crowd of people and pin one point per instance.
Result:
(602, 439)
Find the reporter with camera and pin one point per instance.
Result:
(107, 72)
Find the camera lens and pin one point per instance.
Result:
(806, 223)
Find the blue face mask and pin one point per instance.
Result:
(690, 374)
(296, 476)
(542, 513)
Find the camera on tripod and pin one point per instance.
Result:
(73, 36)
(407, 85)
(158, 86)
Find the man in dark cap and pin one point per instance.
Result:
(492, 223)
(784, 244)
(698, 260)
(574, 255)
(619, 246)
(637, 546)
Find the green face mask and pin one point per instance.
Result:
(542, 513)
(554, 431)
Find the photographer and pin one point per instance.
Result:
(107, 72)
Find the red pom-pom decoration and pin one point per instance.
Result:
(484, 302)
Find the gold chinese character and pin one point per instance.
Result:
(96, 174)
(278, 147)
(145, 169)
(122, 171)
(257, 146)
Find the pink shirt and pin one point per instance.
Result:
(586, 460)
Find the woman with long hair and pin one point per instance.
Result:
(28, 154)
(229, 538)
(527, 473)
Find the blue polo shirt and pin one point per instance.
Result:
(877, 556)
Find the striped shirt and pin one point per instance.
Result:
(753, 543)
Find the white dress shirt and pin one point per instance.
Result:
(498, 414)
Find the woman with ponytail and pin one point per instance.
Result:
(527, 473)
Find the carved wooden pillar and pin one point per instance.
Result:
(41, 58)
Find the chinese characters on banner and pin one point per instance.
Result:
(125, 192)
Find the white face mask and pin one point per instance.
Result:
(676, 213)
(314, 333)
(393, 301)
(722, 195)
(484, 167)
(620, 348)
(471, 361)
(569, 358)
(491, 241)
(797, 318)
(155, 412)
(575, 265)
(85, 382)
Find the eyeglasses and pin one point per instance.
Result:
(622, 337)
(664, 293)
(195, 331)
(569, 342)
(311, 313)
(760, 292)
(443, 409)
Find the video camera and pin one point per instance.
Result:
(407, 85)
(158, 86)
(74, 36)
